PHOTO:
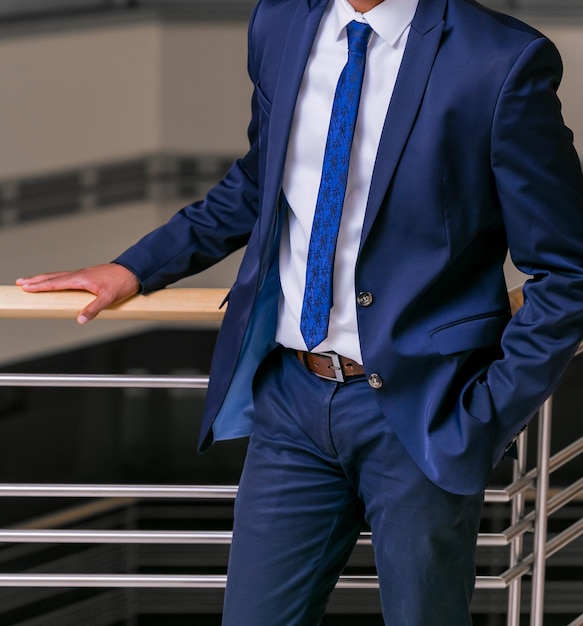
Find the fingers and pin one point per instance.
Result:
(42, 282)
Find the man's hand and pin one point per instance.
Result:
(111, 283)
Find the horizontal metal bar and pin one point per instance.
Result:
(130, 491)
(358, 582)
(496, 496)
(491, 582)
(506, 494)
(150, 581)
(113, 536)
(103, 380)
(169, 537)
(219, 537)
(173, 491)
(182, 582)
(116, 491)
(492, 540)
(519, 486)
(219, 492)
(113, 580)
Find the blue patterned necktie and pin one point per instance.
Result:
(320, 264)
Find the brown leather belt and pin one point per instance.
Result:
(330, 365)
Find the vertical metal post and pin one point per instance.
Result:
(516, 547)
(541, 514)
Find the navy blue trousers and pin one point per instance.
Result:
(322, 461)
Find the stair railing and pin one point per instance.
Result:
(202, 305)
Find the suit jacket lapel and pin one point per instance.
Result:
(422, 46)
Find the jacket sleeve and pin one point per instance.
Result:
(538, 179)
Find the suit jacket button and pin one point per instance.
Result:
(375, 381)
(364, 298)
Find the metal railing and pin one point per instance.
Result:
(202, 305)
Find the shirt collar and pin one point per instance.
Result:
(389, 19)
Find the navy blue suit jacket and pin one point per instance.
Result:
(474, 158)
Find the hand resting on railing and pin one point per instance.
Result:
(111, 283)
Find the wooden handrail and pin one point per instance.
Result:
(176, 304)
(516, 299)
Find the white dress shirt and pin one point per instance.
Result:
(390, 21)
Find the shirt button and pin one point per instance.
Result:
(364, 298)
(375, 381)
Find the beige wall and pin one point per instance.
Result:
(115, 92)
(205, 88)
(78, 97)
(569, 41)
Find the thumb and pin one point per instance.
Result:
(93, 309)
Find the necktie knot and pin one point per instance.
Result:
(358, 35)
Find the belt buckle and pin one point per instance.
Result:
(336, 367)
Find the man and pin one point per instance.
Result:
(393, 405)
